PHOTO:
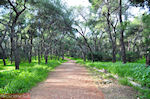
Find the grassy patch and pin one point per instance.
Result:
(20, 81)
(123, 81)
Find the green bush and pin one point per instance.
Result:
(137, 71)
(96, 55)
(99, 56)
(20, 81)
(132, 56)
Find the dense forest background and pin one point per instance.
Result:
(101, 32)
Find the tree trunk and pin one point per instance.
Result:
(123, 51)
(11, 52)
(30, 53)
(147, 60)
(39, 60)
(35, 53)
(41, 48)
(14, 47)
(84, 57)
(17, 57)
(3, 55)
(111, 38)
(114, 54)
(46, 56)
(46, 59)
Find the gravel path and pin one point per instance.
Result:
(68, 81)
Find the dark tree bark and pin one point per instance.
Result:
(17, 59)
(46, 56)
(123, 51)
(17, 54)
(14, 47)
(41, 48)
(39, 59)
(11, 53)
(91, 52)
(3, 55)
(111, 38)
(30, 52)
(147, 60)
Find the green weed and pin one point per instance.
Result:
(21, 81)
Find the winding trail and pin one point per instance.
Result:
(68, 81)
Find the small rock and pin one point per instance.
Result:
(107, 81)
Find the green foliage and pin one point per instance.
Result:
(146, 31)
(99, 56)
(123, 81)
(141, 3)
(137, 71)
(3, 2)
(132, 56)
(142, 61)
(20, 81)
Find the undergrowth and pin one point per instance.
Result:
(22, 80)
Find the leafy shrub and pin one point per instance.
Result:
(107, 58)
(132, 56)
(143, 60)
(96, 55)
(20, 81)
(99, 56)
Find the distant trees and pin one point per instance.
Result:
(34, 27)
(43, 29)
(110, 34)
(146, 21)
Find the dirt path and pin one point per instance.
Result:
(68, 81)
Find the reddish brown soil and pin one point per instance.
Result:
(68, 81)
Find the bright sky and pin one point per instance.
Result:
(136, 11)
(78, 2)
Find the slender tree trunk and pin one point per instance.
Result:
(35, 53)
(84, 57)
(114, 54)
(147, 60)
(17, 60)
(17, 56)
(30, 53)
(14, 46)
(39, 59)
(111, 38)
(123, 51)
(3, 55)
(91, 52)
(63, 54)
(11, 52)
(46, 56)
(46, 59)
(41, 50)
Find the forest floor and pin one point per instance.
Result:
(73, 81)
